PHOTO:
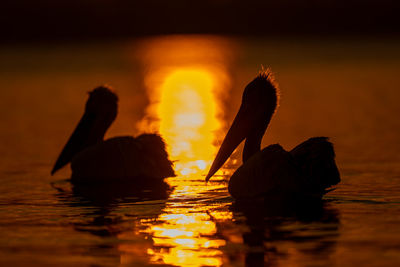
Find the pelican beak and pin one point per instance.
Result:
(79, 139)
(239, 130)
(259, 101)
(100, 111)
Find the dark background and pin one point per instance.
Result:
(49, 20)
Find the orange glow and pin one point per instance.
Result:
(187, 112)
(187, 237)
(186, 81)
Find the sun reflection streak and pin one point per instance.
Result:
(189, 239)
(187, 110)
(186, 81)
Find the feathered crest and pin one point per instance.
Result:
(267, 75)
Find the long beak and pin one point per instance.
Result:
(79, 139)
(239, 130)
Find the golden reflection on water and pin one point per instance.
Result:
(183, 239)
(186, 79)
(188, 122)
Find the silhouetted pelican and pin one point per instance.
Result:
(307, 170)
(142, 160)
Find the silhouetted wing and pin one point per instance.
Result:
(316, 158)
(270, 171)
(117, 159)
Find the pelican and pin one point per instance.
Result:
(307, 170)
(142, 160)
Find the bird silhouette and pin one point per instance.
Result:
(307, 170)
(142, 160)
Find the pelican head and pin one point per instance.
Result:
(100, 111)
(259, 101)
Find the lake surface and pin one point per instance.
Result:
(189, 89)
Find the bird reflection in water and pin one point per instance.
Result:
(280, 234)
(112, 214)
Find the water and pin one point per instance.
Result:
(345, 89)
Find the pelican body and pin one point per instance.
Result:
(307, 170)
(142, 160)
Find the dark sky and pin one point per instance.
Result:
(103, 19)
